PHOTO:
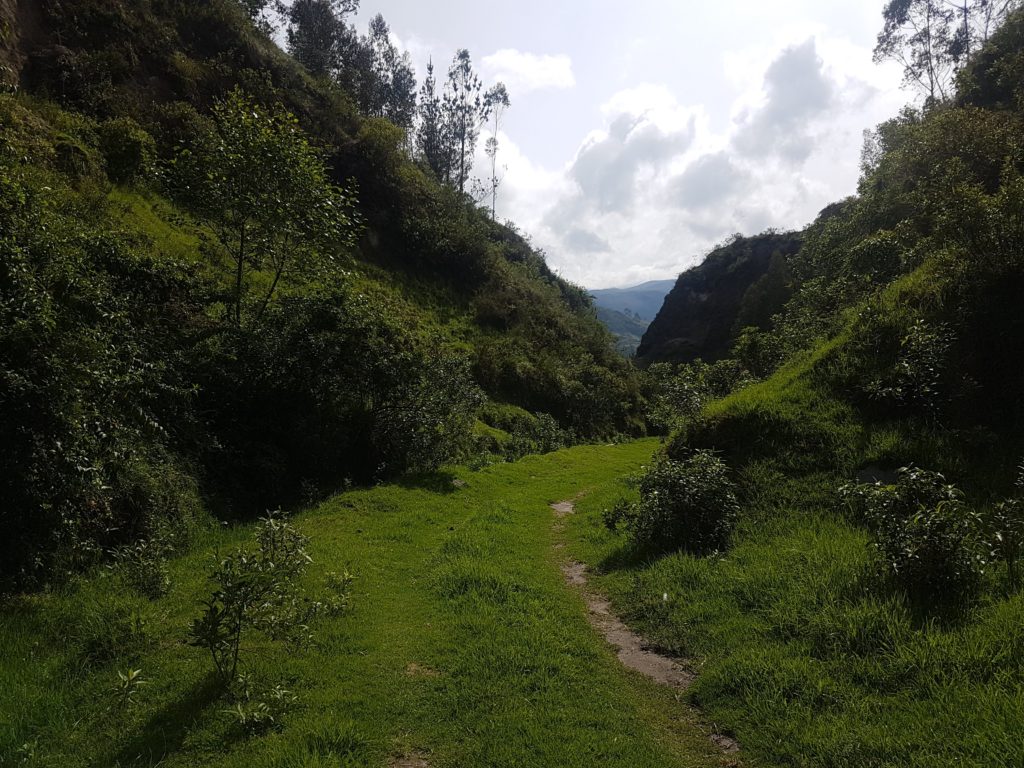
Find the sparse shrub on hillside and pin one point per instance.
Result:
(689, 504)
(143, 566)
(928, 538)
(1004, 528)
(677, 393)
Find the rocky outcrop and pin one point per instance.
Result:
(701, 315)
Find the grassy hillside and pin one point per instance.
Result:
(176, 338)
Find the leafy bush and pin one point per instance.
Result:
(130, 152)
(677, 393)
(927, 537)
(259, 592)
(255, 591)
(1005, 531)
(916, 379)
(143, 565)
(689, 504)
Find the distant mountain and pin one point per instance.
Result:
(627, 329)
(641, 301)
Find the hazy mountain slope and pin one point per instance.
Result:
(643, 301)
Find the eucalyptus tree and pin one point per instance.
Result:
(497, 100)
(933, 39)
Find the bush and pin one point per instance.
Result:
(1005, 532)
(129, 151)
(926, 535)
(688, 504)
(255, 591)
(143, 566)
(259, 592)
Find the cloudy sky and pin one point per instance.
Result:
(642, 133)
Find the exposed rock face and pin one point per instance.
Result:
(10, 59)
(700, 317)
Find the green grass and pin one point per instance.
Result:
(463, 644)
(805, 654)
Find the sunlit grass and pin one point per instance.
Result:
(463, 644)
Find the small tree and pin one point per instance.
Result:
(266, 193)
(255, 591)
(497, 101)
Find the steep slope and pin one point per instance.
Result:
(144, 378)
(865, 608)
(740, 283)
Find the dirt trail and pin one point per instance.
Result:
(633, 651)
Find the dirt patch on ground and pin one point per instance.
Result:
(564, 508)
(414, 760)
(413, 669)
(633, 651)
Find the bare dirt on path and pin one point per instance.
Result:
(633, 651)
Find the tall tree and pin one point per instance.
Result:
(465, 111)
(497, 101)
(317, 32)
(933, 39)
(432, 139)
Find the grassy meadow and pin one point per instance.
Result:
(462, 646)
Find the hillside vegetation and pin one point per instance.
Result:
(225, 287)
(863, 607)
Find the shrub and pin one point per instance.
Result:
(255, 591)
(1005, 532)
(916, 379)
(143, 566)
(129, 151)
(689, 504)
(926, 535)
(259, 592)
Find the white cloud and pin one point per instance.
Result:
(524, 72)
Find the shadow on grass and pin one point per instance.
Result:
(163, 734)
(629, 557)
(435, 482)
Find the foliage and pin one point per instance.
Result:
(129, 683)
(266, 191)
(1004, 529)
(259, 709)
(917, 377)
(677, 394)
(932, 39)
(927, 537)
(129, 150)
(143, 565)
(255, 592)
(689, 504)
